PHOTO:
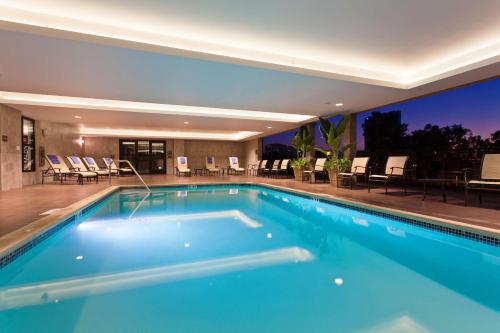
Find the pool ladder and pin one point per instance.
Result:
(135, 171)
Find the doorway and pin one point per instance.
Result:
(147, 156)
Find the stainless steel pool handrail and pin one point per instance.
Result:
(133, 169)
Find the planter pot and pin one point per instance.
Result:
(298, 173)
(333, 175)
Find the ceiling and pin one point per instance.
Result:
(289, 57)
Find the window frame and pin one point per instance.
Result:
(33, 145)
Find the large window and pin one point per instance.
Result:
(28, 144)
(279, 146)
(442, 133)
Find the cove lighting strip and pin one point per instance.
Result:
(140, 107)
(167, 134)
(15, 16)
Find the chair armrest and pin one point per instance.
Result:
(359, 166)
(392, 169)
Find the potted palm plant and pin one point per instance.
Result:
(303, 143)
(333, 135)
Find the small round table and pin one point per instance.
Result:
(441, 181)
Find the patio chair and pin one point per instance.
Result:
(59, 168)
(110, 165)
(261, 167)
(359, 167)
(210, 166)
(272, 169)
(253, 168)
(182, 166)
(234, 165)
(489, 177)
(283, 167)
(94, 167)
(395, 169)
(319, 169)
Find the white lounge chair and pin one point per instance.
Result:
(182, 166)
(94, 167)
(78, 165)
(359, 167)
(110, 165)
(395, 169)
(489, 177)
(59, 168)
(234, 165)
(210, 166)
(319, 169)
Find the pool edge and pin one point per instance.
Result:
(22, 237)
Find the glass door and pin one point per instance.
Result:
(147, 156)
(158, 162)
(127, 152)
(143, 160)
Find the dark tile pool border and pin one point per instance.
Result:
(11, 256)
(490, 240)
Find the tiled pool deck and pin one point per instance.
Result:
(20, 207)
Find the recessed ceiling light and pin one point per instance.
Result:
(139, 107)
(186, 123)
(269, 127)
(78, 117)
(339, 104)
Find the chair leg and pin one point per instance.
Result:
(386, 186)
(480, 198)
(369, 183)
(466, 199)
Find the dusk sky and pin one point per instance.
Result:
(476, 107)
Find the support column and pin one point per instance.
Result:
(312, 130)
(10, 149)
(350, 135)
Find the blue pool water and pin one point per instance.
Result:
(247, 259)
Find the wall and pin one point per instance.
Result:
(63, 139)
(197, 150)
(10, 151)
(54, 138)
(101, 147)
